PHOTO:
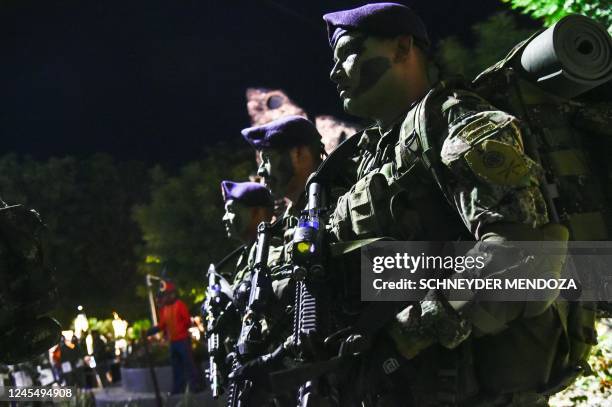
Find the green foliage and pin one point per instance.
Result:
(181, 226)
(138, 328)
(551, 11)
(596, 389)
(493, 39)
(97, 241)
(86, 204)
(104, 326)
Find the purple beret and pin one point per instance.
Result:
(383, 19)
(286, 132)
(247, 193)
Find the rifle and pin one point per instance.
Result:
(307, 253)
(218, 304)
(250, 340)
(217, 310)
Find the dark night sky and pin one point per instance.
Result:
(158, 80)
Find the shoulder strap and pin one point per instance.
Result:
(333, 162)
(233, 254)
(424, 130)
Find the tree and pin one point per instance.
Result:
(181, 225)
(552, 11)
(493, 39)
(86, 205)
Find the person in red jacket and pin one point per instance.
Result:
(174, 321)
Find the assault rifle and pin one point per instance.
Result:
(307, 255)
(250, 341)
(220, 313)
(217, 309)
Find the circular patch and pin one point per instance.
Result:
(499, 163)
(493, 159)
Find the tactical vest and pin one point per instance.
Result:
(395, 195)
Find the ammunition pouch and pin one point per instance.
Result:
(364, 211)
(579, 336)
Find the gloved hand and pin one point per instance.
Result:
(355, 344)
(418, 327)
(258, 370)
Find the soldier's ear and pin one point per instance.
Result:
(403, 47)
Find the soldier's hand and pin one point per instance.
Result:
(259, 369)
(418, 327)
(355, 344)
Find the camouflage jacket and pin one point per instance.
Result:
(483, 181)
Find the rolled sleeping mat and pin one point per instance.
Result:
(569, 58)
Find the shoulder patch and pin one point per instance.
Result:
(499, 163)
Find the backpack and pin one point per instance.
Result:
(568, 131)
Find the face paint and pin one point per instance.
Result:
(236, 219)
(371, 72)
(364, 73)
(276, 170)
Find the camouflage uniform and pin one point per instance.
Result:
(278, 318)
(483, 178)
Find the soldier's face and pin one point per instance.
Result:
(236, 219)
(365, 73)
(276, 169)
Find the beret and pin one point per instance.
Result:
(384, 19)
(286, 132)
(248, 193)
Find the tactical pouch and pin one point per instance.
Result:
(579, 336)
(368, 206)
(581, 333)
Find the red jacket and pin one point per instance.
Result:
(175, 320)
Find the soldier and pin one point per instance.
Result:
(28, 288)
(290, 150)
(442, 182)
(247, 204)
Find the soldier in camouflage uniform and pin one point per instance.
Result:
(247, 204)
(289, 150)
(28, 290)
(467, 177)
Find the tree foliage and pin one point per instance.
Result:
(108, 220)
(492, 40)
(551, 11)
(181, 225)
(86, 205)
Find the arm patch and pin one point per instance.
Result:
(499, 163)
(489, 145)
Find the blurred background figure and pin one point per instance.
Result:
(103, 357)
(175, 321)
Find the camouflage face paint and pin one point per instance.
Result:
(236, 219)
(276, 169)
(361, 65)
(371, 72)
